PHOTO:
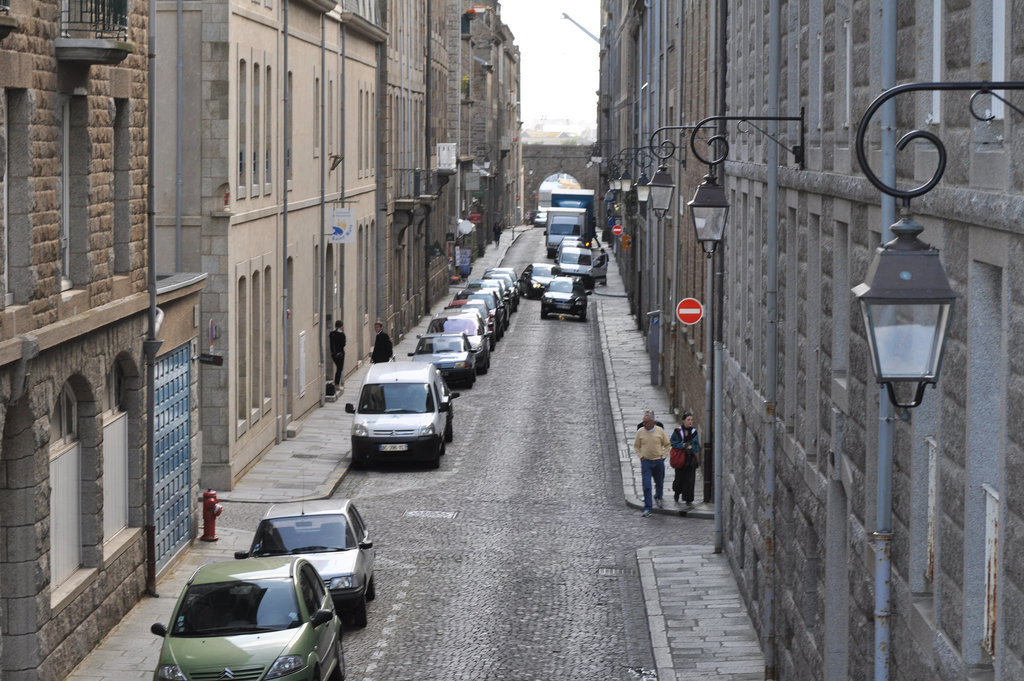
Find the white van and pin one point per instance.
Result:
(584, 263)
(404, 413)
(563, 222)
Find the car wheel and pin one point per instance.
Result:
(359, 613)
(339, 669)
(543, 313)
(357, 462)
(449, 434)
(583, 315)
(371, 590)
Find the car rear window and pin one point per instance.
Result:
(564, 226)
(303, 534)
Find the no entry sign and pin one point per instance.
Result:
(689, 311)
(617, 230)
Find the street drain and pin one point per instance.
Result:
(444, 515)
(614, 572)
(304, 456)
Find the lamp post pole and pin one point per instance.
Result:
(906, 294)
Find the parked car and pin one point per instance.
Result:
(540, 218)
(535, 278)
(265, 618)
(465, 304)
(331, 535)
(507, 274)
(404, 413)
(564, 295)
(492, 299)
(451, 353)
(568, 242)
(474, 326)
(578, 262)
(500, 286)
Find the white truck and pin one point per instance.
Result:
(563, 222)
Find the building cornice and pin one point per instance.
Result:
(360, 25)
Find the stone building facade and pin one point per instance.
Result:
(804, 494)
(74, 314)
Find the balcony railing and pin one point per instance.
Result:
(413, 183)
(94, 19)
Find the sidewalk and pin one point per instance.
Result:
(698, 625)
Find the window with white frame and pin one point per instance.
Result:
(991, 567)
(256, 109)
(5, 109)
(115, 457)
(935, 115)
(242, 357)
(242, 122)
(999, 26)
(65, 489)
(254, 402)
(268, 102)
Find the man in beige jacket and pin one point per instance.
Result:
(652, 446)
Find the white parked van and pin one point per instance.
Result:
(563, 222)
(404, 413)
(584, 263)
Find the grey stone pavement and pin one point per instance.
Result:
(698, 625)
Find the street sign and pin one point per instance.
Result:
(627, 241)
(689, 311)
(617, 230)
(476, 217)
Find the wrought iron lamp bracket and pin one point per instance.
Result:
(979, 87)
(720, 143)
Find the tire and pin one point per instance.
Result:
(435, 462)
(543, 313)
(359, 613)
(449, 433)
(357, 463)
(583, 315)
(371, 590)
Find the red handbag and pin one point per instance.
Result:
(677, 458)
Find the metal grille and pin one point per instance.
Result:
(173, 456)
(250, 673)
(94, 19)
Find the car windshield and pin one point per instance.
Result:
(564, 226)
(453, 325)
(239, 607)
(487, 298)
(303, 534)
(396, 398)
(560, 286)
(431, 346)
(576, 258)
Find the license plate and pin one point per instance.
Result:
(394, 448)
(563, 306)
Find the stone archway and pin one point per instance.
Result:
(540, 161)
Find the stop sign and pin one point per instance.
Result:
(689, 310)
(617, 230)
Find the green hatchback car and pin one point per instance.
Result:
(264, 618)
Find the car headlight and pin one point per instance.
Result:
(462, 365)
(427, 429)
(360, 430)
(170, 672)
(286, 664)
(343, 582)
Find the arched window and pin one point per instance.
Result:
(65, 488)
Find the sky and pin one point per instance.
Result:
(559, 62)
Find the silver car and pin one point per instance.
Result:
(451, 353)
(331, 535)
(474, 326)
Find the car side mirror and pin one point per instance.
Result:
(239, 555)
(454, 395)
(556, 271)
(366, 545)
(159, 629)
(411, 354)
(444, 406)
(321, 616)
(350, 408)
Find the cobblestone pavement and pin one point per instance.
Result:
(688, 609)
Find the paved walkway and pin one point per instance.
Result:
(698, 625)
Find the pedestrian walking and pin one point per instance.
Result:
(382, 348)
(497, 232)
(337, 338)
(685, 440)
(651, 445)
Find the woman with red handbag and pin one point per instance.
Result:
(685, 459)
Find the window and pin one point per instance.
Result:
(65, 195)
(998, 24)
(65, 489)
(289, 93)
(256, 106)
(268, 334)
(991, 567)
(316, 116)
(935, 116)
(255, 317)
(268, 102)
(122, 187)
(242, 105)
(242, 355)
(115, 457)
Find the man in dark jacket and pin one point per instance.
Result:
(337, 338)
(382, 349)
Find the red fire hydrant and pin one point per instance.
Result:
(211, 509)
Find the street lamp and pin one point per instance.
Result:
(643, 188)
(906, 302)
(661, 187)
(709, 209)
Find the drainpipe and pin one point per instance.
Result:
(886, 412)
(323, 202)
(771, 334)
(380, 301)
(285, 121)
(151, 345)
(179, 114)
